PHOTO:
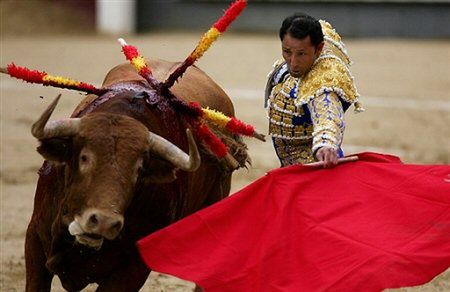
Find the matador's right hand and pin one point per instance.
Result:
(328, 155)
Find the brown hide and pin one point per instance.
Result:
(116, 266)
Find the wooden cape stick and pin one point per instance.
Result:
(341, 160)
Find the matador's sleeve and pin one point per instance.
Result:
(327, 115)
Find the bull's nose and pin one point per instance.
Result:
(101, 223)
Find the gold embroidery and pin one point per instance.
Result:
(333, 42)
(330, 74)
(293, 151)
(282, 112)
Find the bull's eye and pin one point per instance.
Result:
(86, 161)
(83, 158)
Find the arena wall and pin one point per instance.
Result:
(409, 19)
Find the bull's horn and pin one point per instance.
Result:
(42, 129)
(175, 155)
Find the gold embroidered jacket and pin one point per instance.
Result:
(307, 114)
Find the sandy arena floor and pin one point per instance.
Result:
(404, 87)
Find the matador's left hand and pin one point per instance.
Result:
(328, 155)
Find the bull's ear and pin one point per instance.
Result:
(55, 149)
(158, 170)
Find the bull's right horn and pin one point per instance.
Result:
(175, 155)
(42, 129)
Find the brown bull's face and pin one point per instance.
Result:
(107, 157)
(104, 156)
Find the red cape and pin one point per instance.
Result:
(362, 226)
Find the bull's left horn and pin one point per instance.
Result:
(42, 129)
(175, 155)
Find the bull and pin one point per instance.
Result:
(123, 166)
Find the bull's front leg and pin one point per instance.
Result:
(38, 277)
(128, 277)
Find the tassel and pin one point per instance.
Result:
(359, 108)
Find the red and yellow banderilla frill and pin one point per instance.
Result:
(41, 77)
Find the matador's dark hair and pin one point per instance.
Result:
(300, 25)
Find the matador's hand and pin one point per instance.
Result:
(328, 155)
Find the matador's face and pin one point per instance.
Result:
(299, 54)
